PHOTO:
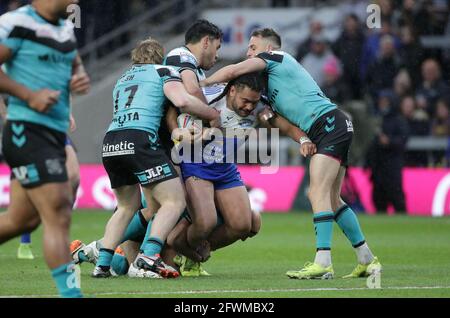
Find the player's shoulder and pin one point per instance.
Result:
(275, 56)
(182, 55)
(214, 92)
(21, 17)
(167, 72)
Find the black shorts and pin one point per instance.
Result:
(134, 156)
(35, 153)
(332, 133)
(165, 139)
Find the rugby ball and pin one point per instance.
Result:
(187, 121)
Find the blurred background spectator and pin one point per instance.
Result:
(315, 29)
(348, 49)
(382, 70)
(318, 56)
(432, 87)
(386, 155)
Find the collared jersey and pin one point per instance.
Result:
(292, 92)
(139, 99)
(42, 58)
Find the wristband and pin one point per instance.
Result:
(304, 139)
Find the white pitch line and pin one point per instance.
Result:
(193, 292)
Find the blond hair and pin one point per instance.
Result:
(149, 51)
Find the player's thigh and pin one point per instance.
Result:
(72, 165)
(53, 202)
(234, 204)
(21, 210)
(201, 201)
(167, 192)
(128, 197)
(323, 172)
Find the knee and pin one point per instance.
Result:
(74, 181)
(318, 193)
(32, 224)
(336, 202)
(240, 228)
(204, 226)
(25, 225)
(176, 203)
(312, 193)
(256, 224)
(63, 203)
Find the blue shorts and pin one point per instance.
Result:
(222, 175)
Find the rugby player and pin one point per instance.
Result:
(132, 155)
(73, 172)
(199, 54)
(294, 94)
(38, 50)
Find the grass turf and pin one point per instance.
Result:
(413, 250)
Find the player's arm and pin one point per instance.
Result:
(80, 83)
(2, 109)
(40, 100)
(232, 71)
(307, 148)
(192, 85)
(177, 94)
(171, 118)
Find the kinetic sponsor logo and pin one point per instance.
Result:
(120, 149)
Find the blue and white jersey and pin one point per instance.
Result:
(139, 99)
(228, 118)
(42, 58)
(232, 124)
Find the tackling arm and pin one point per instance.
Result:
(192, 85)
(232, 71)
(187, 103)
(307, 148)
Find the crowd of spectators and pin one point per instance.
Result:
(389, 66)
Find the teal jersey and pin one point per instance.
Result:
(139, 99)
(42, 58)
(182, 59)
(292, 92)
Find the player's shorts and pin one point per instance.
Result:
(221, 175)
(332, 133)
(35, 153)
(133, 156)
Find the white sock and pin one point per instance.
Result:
(323, 258)
(364, 254)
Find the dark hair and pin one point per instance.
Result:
(269, 34)
(200, 29)
(251, 80)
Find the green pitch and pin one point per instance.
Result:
(414, 252)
